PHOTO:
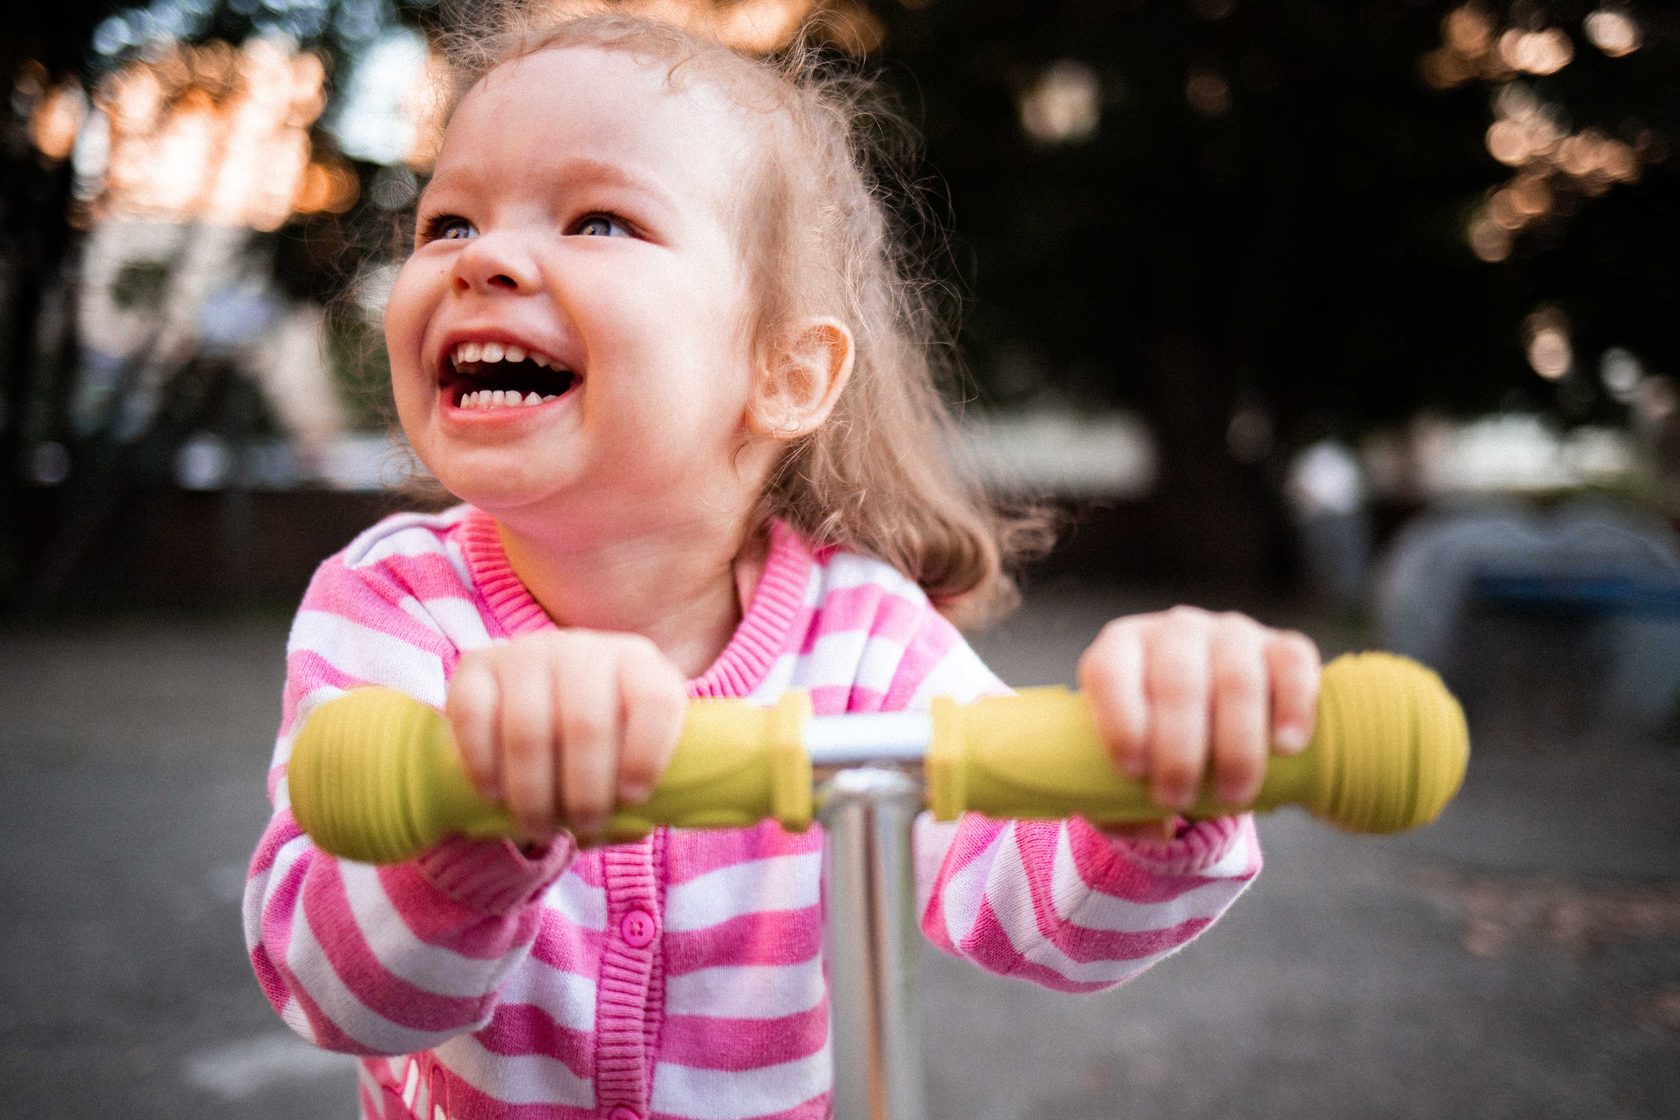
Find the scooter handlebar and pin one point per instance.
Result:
(375, 775)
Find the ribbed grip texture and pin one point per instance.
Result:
(363, 778)
(1391, 743)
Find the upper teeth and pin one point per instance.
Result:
(500, 352)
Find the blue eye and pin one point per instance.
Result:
(601, 225)
(447, 227)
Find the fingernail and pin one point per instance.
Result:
(635, 794)
(1290, 740)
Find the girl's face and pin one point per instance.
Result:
(578, 252)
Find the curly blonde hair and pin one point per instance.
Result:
(887, 473)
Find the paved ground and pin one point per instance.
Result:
(1521, 958)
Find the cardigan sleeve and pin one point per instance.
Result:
(1062, 903)
(1070, 907)
(384, 960)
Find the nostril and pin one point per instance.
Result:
(476, 269)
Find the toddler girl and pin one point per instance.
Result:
(654, 337)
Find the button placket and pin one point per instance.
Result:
(638, 928)
(629, 997)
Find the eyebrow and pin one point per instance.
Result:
(599, 172)
(578, 170)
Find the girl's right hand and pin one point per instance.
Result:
(562, 725)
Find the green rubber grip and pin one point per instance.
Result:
(374, 776)
(1389, 750)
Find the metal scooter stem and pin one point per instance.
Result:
(872, 942)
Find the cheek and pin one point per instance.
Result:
(406, 310)
(406, 314)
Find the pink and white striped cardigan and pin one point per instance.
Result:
(680, 976)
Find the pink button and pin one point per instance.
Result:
(622, 1113)
(638, 928)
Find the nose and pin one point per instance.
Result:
(494, 262)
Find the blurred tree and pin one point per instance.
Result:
(1253, 222)
(1250, 219)
(44, 47)
(81, 430)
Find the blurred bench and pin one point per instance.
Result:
(1587, 596)
(1547, 619)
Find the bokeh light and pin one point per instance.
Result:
(1064, 106)
(758, 26)
(1208, 91)
(1548, 346)
(58, 120)
(216, 133)
(1612, 32)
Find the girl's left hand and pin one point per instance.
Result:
(1186, 694)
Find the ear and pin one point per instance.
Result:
(801, 379)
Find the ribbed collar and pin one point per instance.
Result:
(767, 622)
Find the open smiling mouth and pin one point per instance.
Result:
(486, 375)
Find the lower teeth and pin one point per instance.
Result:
(502, 398)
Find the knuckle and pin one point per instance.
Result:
(1240, 749)
(1173, 689)
(1120, 729)
(1186, 615)
(1114, 637)
(467, 709)
(520, 748)
(1297, 647)
(471, 684)
(1117, 628)
(1238, 682)
(1240, 632)
(582, 728)
(649, 691)
(640, 646)
(1097, 672)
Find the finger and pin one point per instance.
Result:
(526, 721)
(1176, 678)
(470, 707)
(1241, 711)
(653, 702)
(590, 730)
(1111, 676)
(1295, 665)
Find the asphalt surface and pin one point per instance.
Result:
(1520, 958)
